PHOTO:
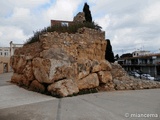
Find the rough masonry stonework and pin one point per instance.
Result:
(63, 64)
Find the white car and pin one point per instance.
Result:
(147, 77)
(136, 75)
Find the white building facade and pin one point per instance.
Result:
(5, 54)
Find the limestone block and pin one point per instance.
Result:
(117, 71)
(50, 70)
(95, 66)
(104, 76)
(63, 88)
(28, 71)
(105, 65)
(20, 80)
(102, 65)
(36, 86)
(83, 74)
(91, 81)
(56, 53)
(18, 63)
(60, 69)
(41, 70)
(67, 71)
(83, 67)
(16, 78)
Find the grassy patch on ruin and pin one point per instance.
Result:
(62, 29)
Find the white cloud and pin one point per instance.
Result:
(7, 6)
(20, 13)
(26, 15)
(32, 15)
(62, 10)
(1, 34)
(129, 24)
(25, 3)
(104, 21)
(150, 14)
(11, 33)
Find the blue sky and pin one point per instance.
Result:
(129, 24)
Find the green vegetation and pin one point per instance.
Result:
(109, 55)
(62, 29)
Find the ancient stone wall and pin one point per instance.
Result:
(62, 64)
(86, 43)
(65, 64)
(33, 50)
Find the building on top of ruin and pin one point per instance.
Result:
(61, 22)
(78, 18)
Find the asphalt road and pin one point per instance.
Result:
(19, 104)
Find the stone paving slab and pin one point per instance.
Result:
(12, 95)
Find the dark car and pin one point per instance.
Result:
(157, 79)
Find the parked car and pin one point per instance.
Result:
(139, 71)
(131, 73)
(147, 77)
(135, 74)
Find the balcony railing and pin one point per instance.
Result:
(149, 63)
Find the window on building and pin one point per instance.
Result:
(64, 24)
(6, 54)
(1, 53)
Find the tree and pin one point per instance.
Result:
(87, 13)
(109, 55)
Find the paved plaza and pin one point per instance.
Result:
(19, 104)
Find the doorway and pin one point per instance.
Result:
(5, 67)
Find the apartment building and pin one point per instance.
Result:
(143, 61)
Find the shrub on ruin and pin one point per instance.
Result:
(62, 29)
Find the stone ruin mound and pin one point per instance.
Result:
(63, 64)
